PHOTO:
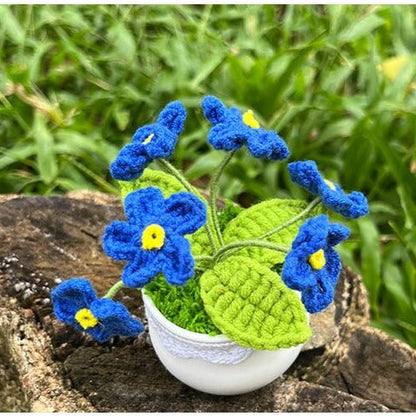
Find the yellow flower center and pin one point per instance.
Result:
(85, 318)
(153, 237)
(317, 260)
(249, 120)
(330, 184)
(148, 139)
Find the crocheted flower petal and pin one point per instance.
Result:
(156, 140)
(297, 273)
(118, 241)
(142, 133)
(228, 136)
(337, 233)
(141, 270)
(312, 236)
(359, 206)
(186, 212)
(70, 296)
(318, 297)
(353, 205)
(130, 162)
(98, 332)
(162, 145)
(178, 266)
(114, 319)
(336, 199)
(234, 116)
(214, 110)
(173, 117)
(333, 266)
(306, 175)
(267, 144)
(144, 205)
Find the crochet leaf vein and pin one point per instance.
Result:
(261, 218)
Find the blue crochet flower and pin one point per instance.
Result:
(306, 174)
(313, 266)
(231, 130)
(75, 303)
(153, 238)
(150, 142)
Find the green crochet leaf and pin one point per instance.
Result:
(263, 217)
(251, 305)
(169, 185)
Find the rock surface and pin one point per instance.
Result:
(48, 366)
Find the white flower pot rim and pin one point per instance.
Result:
(185, 333)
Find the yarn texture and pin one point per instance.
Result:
(313, 266)
(306, 175)
(251, 274)
(181, 305)
(169, 185)
(261, 218)
(150, 142)
(231, 130)
(252, 306)
(182, 213)
(76, 303)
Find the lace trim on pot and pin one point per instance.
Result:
(218, 353)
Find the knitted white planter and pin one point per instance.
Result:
(214, 364)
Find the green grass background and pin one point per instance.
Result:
(76, 81)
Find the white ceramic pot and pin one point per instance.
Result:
(214, 364)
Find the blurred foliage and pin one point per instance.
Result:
(336, 81)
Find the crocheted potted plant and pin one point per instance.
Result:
(227, 292)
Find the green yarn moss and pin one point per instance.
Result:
(229, 212)
(181, 305)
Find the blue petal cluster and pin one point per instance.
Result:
(150, 142)
(112, 317)
(230, 132)
(306, 175)
(167, 221)
(317, 284)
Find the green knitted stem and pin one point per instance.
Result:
(169, 168)
(202, 258)
(239, 245)
(296, 218)
(213, 195)
(252, 306)
(169, 185)
(260, 219)
(114, 289)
